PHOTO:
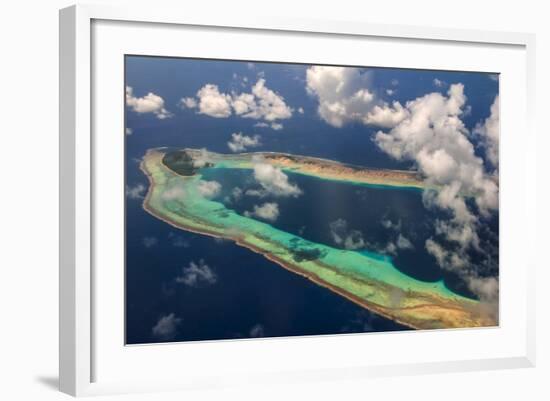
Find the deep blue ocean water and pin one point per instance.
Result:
(251, 291)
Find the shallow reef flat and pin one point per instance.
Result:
(370, 281)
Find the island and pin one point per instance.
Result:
(367, 279)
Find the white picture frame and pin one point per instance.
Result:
(78, 164)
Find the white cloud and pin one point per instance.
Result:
(149, 242)
(202, 158)
(269, 105)
(237, 193)
(268, 211)
(434, 137)
(261, 103)
(385, 115)
(341, 235)
(135, 192)
(213, 103)
(394, 82)
(301, 110)
(273, 181)
(178, 241)
(403, 242)
(174, 193)
(197, 274)
(439, 83)
(458, 261)
(342, 92)
(149, 103)
(243, 103)
(129, 131)
(452, 260)
(489, 133)
(353, 239)
(235, 196)
(188, 102)
(428, 131)
(390, 92)
(486, 287)
(240, 142)
(257, 331)
(209, 189)
(387, 223)
(344, 96)
(273, 126)
(166, 327)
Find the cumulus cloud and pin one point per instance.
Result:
(269, 105)
(257, 331)
(135, 192)
(342, 92)
(149, 103)
(188, 102)
(351, 239)
(344, 96)
(438, 82)
(166, 327)
(235, 196)
(178, 241)
(129, 131)
(389, 224)
(240, 142)
(386, 116)
(149, 242)
(268, 211)
(214, 103)
(488, 132)
(204, 157)
(429, 132)
(273, 126)
(486, 287)
(175, 192)
(261, 103)
(197, 274)
(452, 259)
(237, 193)
(341, 235)
(403, 242)
(243, 103)
(209, 189)
(273, 181)
(390, 92)
(434, 137)
(301, 110)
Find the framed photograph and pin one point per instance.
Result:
(272, 200)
